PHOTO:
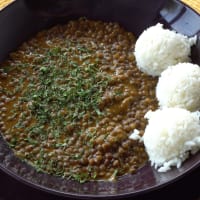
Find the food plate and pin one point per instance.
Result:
(20, 23)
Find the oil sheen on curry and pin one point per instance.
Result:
(71, 96)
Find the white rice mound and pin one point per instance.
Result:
(157, 48)
(179, 86)
(169, 136)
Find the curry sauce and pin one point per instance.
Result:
(70, 98)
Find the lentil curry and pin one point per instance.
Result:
(70, 98)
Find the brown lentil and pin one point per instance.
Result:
(97, 145)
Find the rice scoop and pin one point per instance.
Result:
(157, 48)
(170, 135)
(179, 86)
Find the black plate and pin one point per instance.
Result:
(19, 24)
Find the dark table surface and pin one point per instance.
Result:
(187, 188)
